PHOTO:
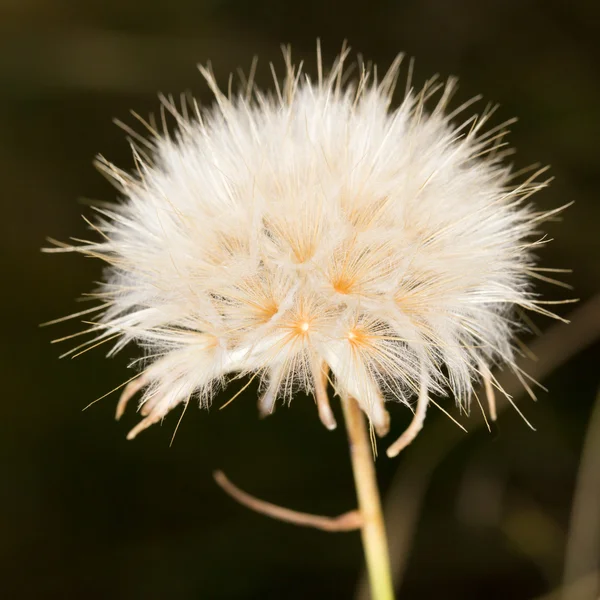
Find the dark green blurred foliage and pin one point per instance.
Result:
(86, 514)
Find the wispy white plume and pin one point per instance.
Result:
(317, 234)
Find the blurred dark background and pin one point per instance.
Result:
(86, 514)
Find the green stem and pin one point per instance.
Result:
(373, 528)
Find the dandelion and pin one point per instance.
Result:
(317, 235)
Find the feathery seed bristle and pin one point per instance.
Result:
(312, 235)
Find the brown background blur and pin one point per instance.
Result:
(86, 514)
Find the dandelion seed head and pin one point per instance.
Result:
(319, 229)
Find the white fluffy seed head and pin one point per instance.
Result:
(314, 234)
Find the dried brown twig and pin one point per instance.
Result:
(349, 521)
